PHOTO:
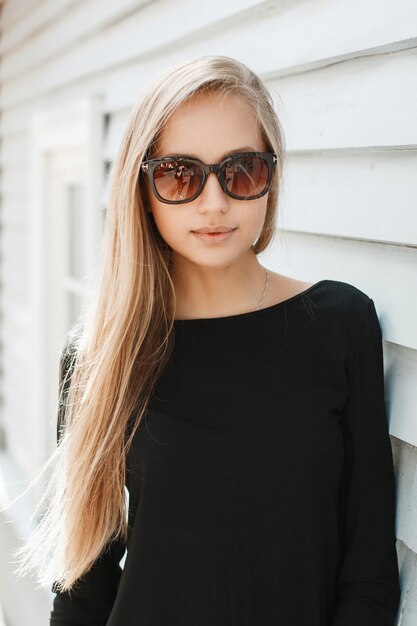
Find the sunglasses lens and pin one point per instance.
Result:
(246, 177)
(177, 180)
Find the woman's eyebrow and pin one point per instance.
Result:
(189, 154)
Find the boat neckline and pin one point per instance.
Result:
(248, 314)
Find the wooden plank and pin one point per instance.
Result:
(408, 574)
(340, 107)
(38, 601)
(2, 618)
(71, 21)
(32, 25)
(14, 149)
(15, 319)
(13, 11)
(363, 195)
(284, 28)
(386, 273)
(125, 40)
(400, 366)
(367, 102)
(118, 77)
(12, 177)
(14, 263)
(13, 210)
(405, 464)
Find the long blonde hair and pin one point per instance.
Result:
(112, 359)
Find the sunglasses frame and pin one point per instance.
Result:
(148, 167)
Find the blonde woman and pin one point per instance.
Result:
(242, 409)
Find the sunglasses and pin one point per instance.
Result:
(243, 176)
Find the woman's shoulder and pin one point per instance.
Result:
(336, 292)
(345, 294)
(342, 303)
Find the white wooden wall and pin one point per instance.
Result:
(343, 74)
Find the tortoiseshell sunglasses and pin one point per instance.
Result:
(180, 179)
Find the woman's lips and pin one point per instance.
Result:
(213, 236)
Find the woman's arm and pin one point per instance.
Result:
(368, 591)
(92, 599)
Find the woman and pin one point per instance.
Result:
(242, 409)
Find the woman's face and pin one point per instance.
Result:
(209, 127)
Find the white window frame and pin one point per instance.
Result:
(53, 132)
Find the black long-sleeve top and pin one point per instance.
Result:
(261, 484)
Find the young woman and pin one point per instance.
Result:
(242, 409)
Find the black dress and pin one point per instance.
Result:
(261, 487)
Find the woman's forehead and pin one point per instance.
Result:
(210, 125)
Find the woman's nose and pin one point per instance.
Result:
(212, 194)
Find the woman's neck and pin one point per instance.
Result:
(217, 292)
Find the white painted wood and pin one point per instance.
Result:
(344, 106)
(15, 248)
(63, 152)
(16, 145)
(73, 21)
(113, 47)
(13, 12)
(385, 273)
(363, 195)
(365, 102)
(12, 177)
(405, 463)
(284, 28)
(400, 367)
(124, 86)
(14, 213)
(2, 618)
(63, 168)
(13, 523)
(408, 576)
(15, 410)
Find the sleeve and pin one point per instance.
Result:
(91, 600)
(368, 588)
